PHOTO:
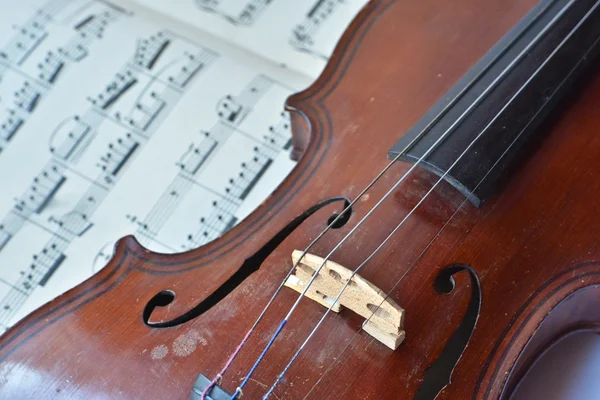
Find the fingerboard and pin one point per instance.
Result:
(476, 134)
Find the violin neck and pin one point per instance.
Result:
(474, 136)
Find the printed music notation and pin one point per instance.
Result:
(235, 12)
(116, 120)
(25, 96)
(27, 38)
(299, 35)
(30, 63)
(305, 35)
(223, 196)
(90, 151)
(137, 96)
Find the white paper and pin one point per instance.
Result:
(299, 35)
(116, 120)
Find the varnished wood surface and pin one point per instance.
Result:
(533, 246)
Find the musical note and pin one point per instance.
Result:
(280, 135)
(233, 109)
(69, 139)
(304, 35)
(43, 265)
(75, 222)
(14, 299)
(196, 155)
(119, 152)
(149, 50)
(47, 260)
(28, 97)
(42, 190)
(221, 218)
(230, 110)
(4, 236)
(250, 172)
(189, 164)
(91, 23)
(27, 38)
(75, 50)
(149, 227)
(25, 96)
(146, 110)
(9, 226)
(95, 24)
(122, 82)
(10, 125)
(54, 62)
(233, 11)
(184, 70)
(51, 67)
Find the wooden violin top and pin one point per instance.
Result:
(484, 290)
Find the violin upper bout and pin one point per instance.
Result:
(306, 107)
(300, 132)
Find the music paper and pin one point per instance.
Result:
(299, 35)
(162, 119)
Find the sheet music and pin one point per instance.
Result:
(116, 120)
(299, 35)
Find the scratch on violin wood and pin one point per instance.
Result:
(368, 344)
(264, 386)
(351, 128)
(161, 369)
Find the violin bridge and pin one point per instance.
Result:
(384, 319)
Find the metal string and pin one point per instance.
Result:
(466, 112)
(426, 247)
(394, 187)
(404, 220)
(219, 376)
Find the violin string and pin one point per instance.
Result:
(385, 298)
(347, 209)
(219, 376)
(493, 84)
(334, 301)
(423, 252)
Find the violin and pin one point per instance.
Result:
(439, 232)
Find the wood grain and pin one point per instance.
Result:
(535, 246)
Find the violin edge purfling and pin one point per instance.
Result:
(532, 247)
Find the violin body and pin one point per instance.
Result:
(534, 248)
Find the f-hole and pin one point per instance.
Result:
(439, 374)
(250, 265)
(336, 220)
